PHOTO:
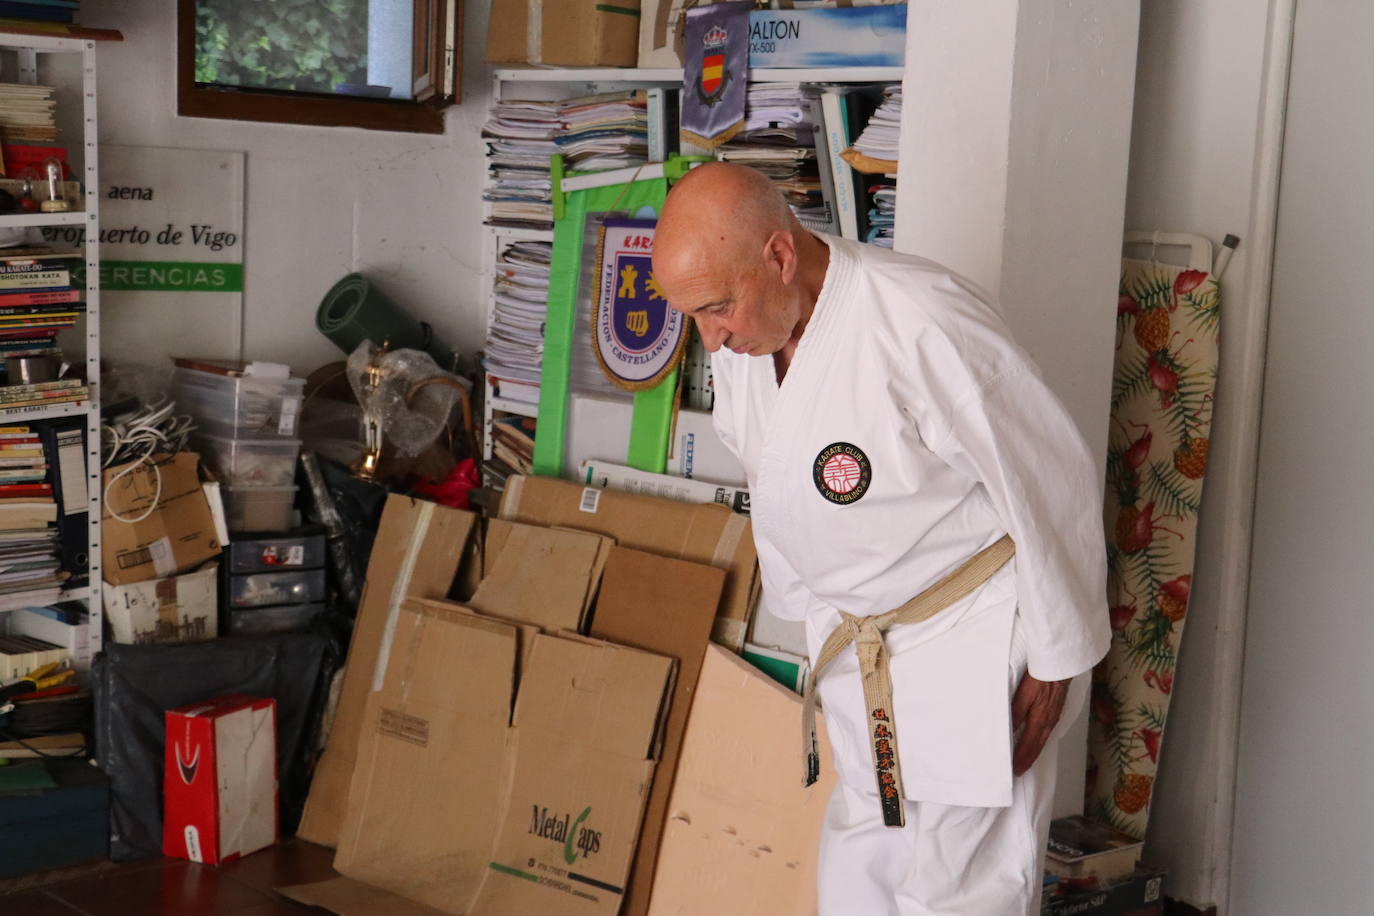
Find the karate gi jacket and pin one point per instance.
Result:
(909, 433)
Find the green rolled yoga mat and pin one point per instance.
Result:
(354, 310)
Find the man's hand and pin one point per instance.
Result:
(1035, 709)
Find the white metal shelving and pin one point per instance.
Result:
(69, 64)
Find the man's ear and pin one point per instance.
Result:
(780, 254)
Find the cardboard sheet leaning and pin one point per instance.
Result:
(560, 788)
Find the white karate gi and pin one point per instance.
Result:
(909, 433)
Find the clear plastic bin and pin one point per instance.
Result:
(249, 462)
(240, 406)
(305, 551)
(264, 589)
(255, 509)
(287, 619)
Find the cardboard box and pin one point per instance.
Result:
(535, 815)
(175, 609)
(566, 33)
(608, 476)
(708, 534)
(1142, 894)
(842, 36)
(849, 36)
(546, 577)
(418, 548)
(744, 833)
(73, 637)
(176, 537)
(665, 606)
(588, 731)
(220, 779)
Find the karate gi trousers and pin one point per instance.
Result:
(948, 860)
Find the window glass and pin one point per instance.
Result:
(335, 47)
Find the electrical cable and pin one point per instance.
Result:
(134, 438)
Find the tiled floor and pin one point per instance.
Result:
(155, 887)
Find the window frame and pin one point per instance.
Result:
(279, 107)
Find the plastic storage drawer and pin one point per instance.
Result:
(257, 620)
(240, 406)
(250, 462)
(305, 551)
(263, 589)
(259, 508)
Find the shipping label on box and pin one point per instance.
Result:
(220, 779)
(157, 521)
(845, 36)
(175, 609)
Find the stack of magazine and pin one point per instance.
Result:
(605, 131)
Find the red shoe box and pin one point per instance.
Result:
(220, 781)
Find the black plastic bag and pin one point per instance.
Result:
(135, 685)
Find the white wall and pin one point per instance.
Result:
(1303, 803)
(1199, 164)
(1013, 152)
(404, 209)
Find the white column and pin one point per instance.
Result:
(1014, 148)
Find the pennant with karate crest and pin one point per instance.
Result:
(715, 58)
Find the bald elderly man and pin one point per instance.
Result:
(925, 505)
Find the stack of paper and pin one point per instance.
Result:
(876, 149)
(882, 215)
(605, 131)
(779, 140)
(26, 113)
(515, 342)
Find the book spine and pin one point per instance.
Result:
(43, 394)
(841, 175)
(52, 297)
(38, 279)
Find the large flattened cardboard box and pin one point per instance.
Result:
(220, 779)
(177, 536)
(539, 814)
(417, 552)
(709, 534)
(566, 33)
(169, 610)
(743, 833)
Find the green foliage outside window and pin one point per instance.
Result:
(302, 45)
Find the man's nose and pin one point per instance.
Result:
(713, 334)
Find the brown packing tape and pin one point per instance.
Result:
(167, 606)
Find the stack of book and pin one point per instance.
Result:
(30, 564)
(21, 654)
(592, 132)
(512, 446)
(514, 353)
(37, 299)
(882, 215)
(26, 111)
(779, 140)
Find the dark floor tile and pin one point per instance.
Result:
(176, 889)
(35, 903)
(290, 862)
(279, 907)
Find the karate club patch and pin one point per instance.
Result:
(842, 473)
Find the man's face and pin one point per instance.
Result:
(746, 310)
